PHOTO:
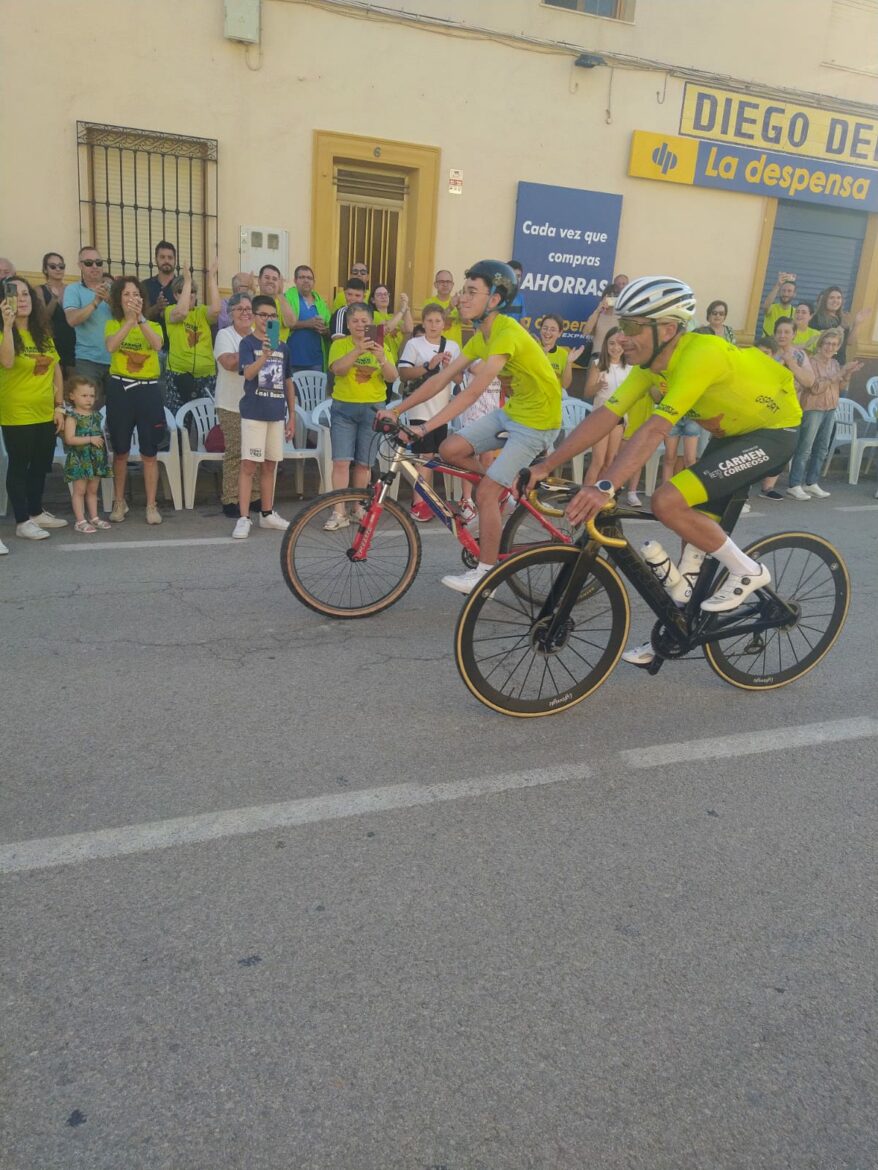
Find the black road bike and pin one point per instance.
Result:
(546, 627)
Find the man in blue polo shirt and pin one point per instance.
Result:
(306, 340)
(87, 311)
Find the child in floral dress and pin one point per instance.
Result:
(86, 462)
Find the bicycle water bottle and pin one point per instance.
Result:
(666, 571)
(690, 566)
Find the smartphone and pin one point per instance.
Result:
(375, 333)
(273, 331)
(10, 293)
(611, 301)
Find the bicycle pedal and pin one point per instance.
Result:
(655, 666)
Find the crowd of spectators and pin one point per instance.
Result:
(140, 347)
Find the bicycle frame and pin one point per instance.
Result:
(686, 627)
(408, 465)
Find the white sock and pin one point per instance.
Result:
(483, 568)
(730, 557)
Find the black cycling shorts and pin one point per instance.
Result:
(731, 464)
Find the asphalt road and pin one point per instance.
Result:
(278, 893)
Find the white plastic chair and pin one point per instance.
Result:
(310, 392)
(847, 415)
(301, 453)
(872, 387)
(573, 411)
(202, 413)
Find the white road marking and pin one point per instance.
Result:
(750, 743)
(116, 545)
(857, 508)
(49, 852)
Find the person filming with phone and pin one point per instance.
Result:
(604, 318)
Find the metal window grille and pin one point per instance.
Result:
(611, 9)
(137, 187)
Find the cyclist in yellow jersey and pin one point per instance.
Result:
(530, 419)
(745, 400)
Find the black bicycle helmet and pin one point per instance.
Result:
(499, 278)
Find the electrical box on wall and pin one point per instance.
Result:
(242, 21)
(264, 245)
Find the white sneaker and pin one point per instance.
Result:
(47, 520)
(814, 489)
(736, 590)
(272, 520)
(242, 528)
(640, 655)
(3, 549)
(337, 520)
(632, 499)
(31, 531)
(359, 512)
(464, 582)
(798, 493)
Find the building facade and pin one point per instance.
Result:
(736, 139)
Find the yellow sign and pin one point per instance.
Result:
(763, 123)
(663, 156)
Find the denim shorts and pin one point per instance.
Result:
(350, 431)
(522, 447)
(686, 428)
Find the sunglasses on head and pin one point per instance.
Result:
(92, 263)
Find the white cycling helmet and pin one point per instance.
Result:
(657, 298)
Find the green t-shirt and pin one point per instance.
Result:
(729, 391)
(807, 339)
(363, 381)
(535, 393)
(190, 344)
(27, 391)
(135, 358)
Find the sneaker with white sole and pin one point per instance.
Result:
(632, 499)
(3, 549)
(30, 531)
(47, 520)
(272, 520)
(465, 582)
(242, 528)
(798, 493)
(814, 489)
(119, 511)
(336, 520)
(359, 513)
(153, 515)
(735, 590)
(639, 655)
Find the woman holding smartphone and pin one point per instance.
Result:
(133, 395)
(31, 412)
(361, 366)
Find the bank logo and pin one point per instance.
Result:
(664, 158)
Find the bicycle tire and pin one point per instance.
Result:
(593, 644)
(522, 531)
(318, 571)
(809, 572)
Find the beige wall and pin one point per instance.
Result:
(499, 113)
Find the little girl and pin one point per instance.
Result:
(86, 462)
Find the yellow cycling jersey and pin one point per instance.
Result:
(729, 391)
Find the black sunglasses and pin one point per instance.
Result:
(92, 263)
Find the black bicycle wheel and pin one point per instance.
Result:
(319, 570)
(500, 644)
(809, 573)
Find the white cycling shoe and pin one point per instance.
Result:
(735, 591)
(639, 655)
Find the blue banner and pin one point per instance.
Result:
(566, 241)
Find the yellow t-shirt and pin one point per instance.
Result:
(807, 339)
(190, 344)
(454, 332)
(534, 391)
(284, 329)
(729, 391)
(557, 360)
(27, 391)
(135, 358)
(774, 314)
(363, 381)
(392, 341)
